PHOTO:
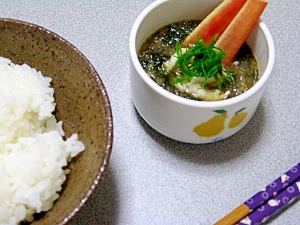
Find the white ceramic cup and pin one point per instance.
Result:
(189, 120)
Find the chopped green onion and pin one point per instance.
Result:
(204, 61)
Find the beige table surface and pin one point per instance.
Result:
(152, 179)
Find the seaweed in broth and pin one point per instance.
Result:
(159, 47)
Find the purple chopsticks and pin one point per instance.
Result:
(264, 212)
(274, 188)
(265, 203)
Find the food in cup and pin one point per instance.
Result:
(157, 50)
(176, 59)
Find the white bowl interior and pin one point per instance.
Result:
(164, 12)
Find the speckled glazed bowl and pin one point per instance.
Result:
(183, 119)
(82, 104)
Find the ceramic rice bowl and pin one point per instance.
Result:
(82, 104)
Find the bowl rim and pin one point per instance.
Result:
(192, 103)
(108, 112)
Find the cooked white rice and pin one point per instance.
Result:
(32, 149)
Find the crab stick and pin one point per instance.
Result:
(216, 22)
(239, 29)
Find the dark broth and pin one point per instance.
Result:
(159, 47)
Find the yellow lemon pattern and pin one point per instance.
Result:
(213, 126)
(238, 118)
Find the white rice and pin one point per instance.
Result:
(32, 149)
